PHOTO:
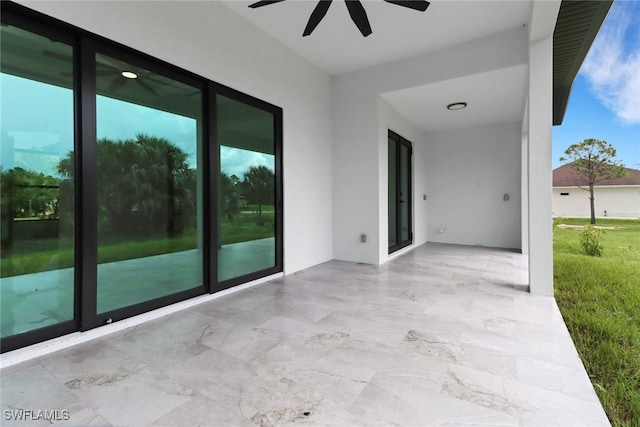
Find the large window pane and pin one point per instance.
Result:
(246, 193)
(36, 161)
(149, 174)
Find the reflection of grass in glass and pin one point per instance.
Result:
(247, 225)
(36, 255)
(34, 262)
(140, 249)
(53, 259)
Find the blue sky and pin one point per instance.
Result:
(605, 100)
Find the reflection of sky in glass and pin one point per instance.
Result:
(36, 124)
(27, 103)
(120, 120)
(235, 161)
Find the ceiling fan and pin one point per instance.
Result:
(355, 8)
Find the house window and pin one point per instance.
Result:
(564, 194)
(122, 178)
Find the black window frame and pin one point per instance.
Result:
(218, 89)
(86, 45)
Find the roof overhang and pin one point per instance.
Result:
(576, 28)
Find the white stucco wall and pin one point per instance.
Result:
(468, 172)
(355, 172)
(540, 113)
(210, 40)
(620, 201)
(359, 132)
(524, 183)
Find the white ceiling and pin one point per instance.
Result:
(337, 47)
(492, 98)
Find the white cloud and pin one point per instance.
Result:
(612, 66)
(235, 161)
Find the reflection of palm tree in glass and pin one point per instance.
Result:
(230, 199)
(145, 187)
(259, 186)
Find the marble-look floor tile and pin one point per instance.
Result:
(35, 388)
(86, 417)
(166, 342)
(440, 336)
(408, 400)
(201, 412)
(137, 404)
(91, 359)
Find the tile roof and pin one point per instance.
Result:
(567, 176)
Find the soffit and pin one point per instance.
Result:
(576, 28)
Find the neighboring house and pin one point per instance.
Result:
(615, 197)
(371, 148)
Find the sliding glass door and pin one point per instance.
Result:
(128, 184)
(149, 172)
(400, 199)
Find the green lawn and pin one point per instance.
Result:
(36, 255)
(599, 298)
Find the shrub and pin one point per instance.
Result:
(590, 241)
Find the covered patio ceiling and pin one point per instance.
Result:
(337, 47)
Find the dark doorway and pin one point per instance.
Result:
(400, 193)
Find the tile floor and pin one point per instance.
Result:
(441, 336)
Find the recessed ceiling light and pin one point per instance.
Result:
(129, 74)
(457, 106)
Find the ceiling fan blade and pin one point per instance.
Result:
(146, 87)
(117, 83)
(57, 55)
(318, 13)
(359, 16)
(420, 5)
(114, 63)
(263, 3)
